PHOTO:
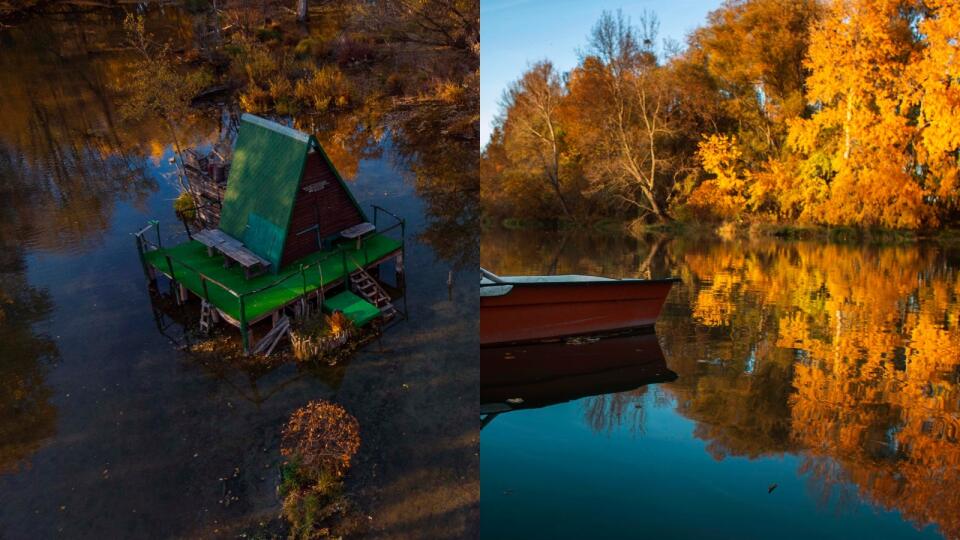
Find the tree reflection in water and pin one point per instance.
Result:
(845, 355)
(27, 416)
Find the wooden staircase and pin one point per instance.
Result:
(363, 284)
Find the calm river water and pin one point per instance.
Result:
(817, 395)
(109, 430)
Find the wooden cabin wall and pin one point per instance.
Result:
(331, 204)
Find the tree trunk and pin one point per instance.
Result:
(302, 12)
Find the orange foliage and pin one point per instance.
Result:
(322, 436)
(860, 131)
(934, 75)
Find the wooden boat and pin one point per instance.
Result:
(530, 308)
(536, 375)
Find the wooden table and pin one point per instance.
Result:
(358, 231)
(232, 250)
(214, 238)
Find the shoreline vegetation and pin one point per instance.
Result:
(797, 116)
(724, 230)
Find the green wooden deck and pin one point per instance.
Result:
(266, 293)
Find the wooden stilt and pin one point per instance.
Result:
(399, 269)
(175, 291)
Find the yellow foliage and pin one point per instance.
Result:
(860, 131)
(723, 195)
(934, 75)
(326, 88)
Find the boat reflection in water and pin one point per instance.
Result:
(541, 374)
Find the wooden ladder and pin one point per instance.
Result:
(368, 288)
(206, 316)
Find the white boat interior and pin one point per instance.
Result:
(493, 285)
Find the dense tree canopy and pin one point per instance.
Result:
(842, 112)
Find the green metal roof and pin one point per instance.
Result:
(268, 160)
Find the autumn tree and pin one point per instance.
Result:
(724, 194)
(839, 112)
(857, 143)
(935, 94)
(533, 137)
(626, 112)
(753, 52)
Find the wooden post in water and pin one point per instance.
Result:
(399, 269)
(243, 328)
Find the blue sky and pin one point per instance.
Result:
(515, 33)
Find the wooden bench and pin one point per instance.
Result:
(249, 260)
(358, 231)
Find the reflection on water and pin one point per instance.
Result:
(610, 373)
(838, 363)
(107, 430)
(27, 416)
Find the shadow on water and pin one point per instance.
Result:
(830, 370)
(107, 429)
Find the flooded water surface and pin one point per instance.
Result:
(816, 395)
(108, 428)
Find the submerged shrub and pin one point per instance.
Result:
(354, 50)
(281, 92)
(322, 437)
(319, 441)
(185, 207)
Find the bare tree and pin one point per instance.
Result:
(636, 113)
(531, 129)
(303, 11)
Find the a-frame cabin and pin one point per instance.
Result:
(290, 232)
(284, 198)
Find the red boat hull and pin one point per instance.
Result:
(539, 311)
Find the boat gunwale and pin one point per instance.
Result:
(606, 282)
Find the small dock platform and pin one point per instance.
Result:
(239, 298)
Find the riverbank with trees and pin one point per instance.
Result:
(834, 114)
